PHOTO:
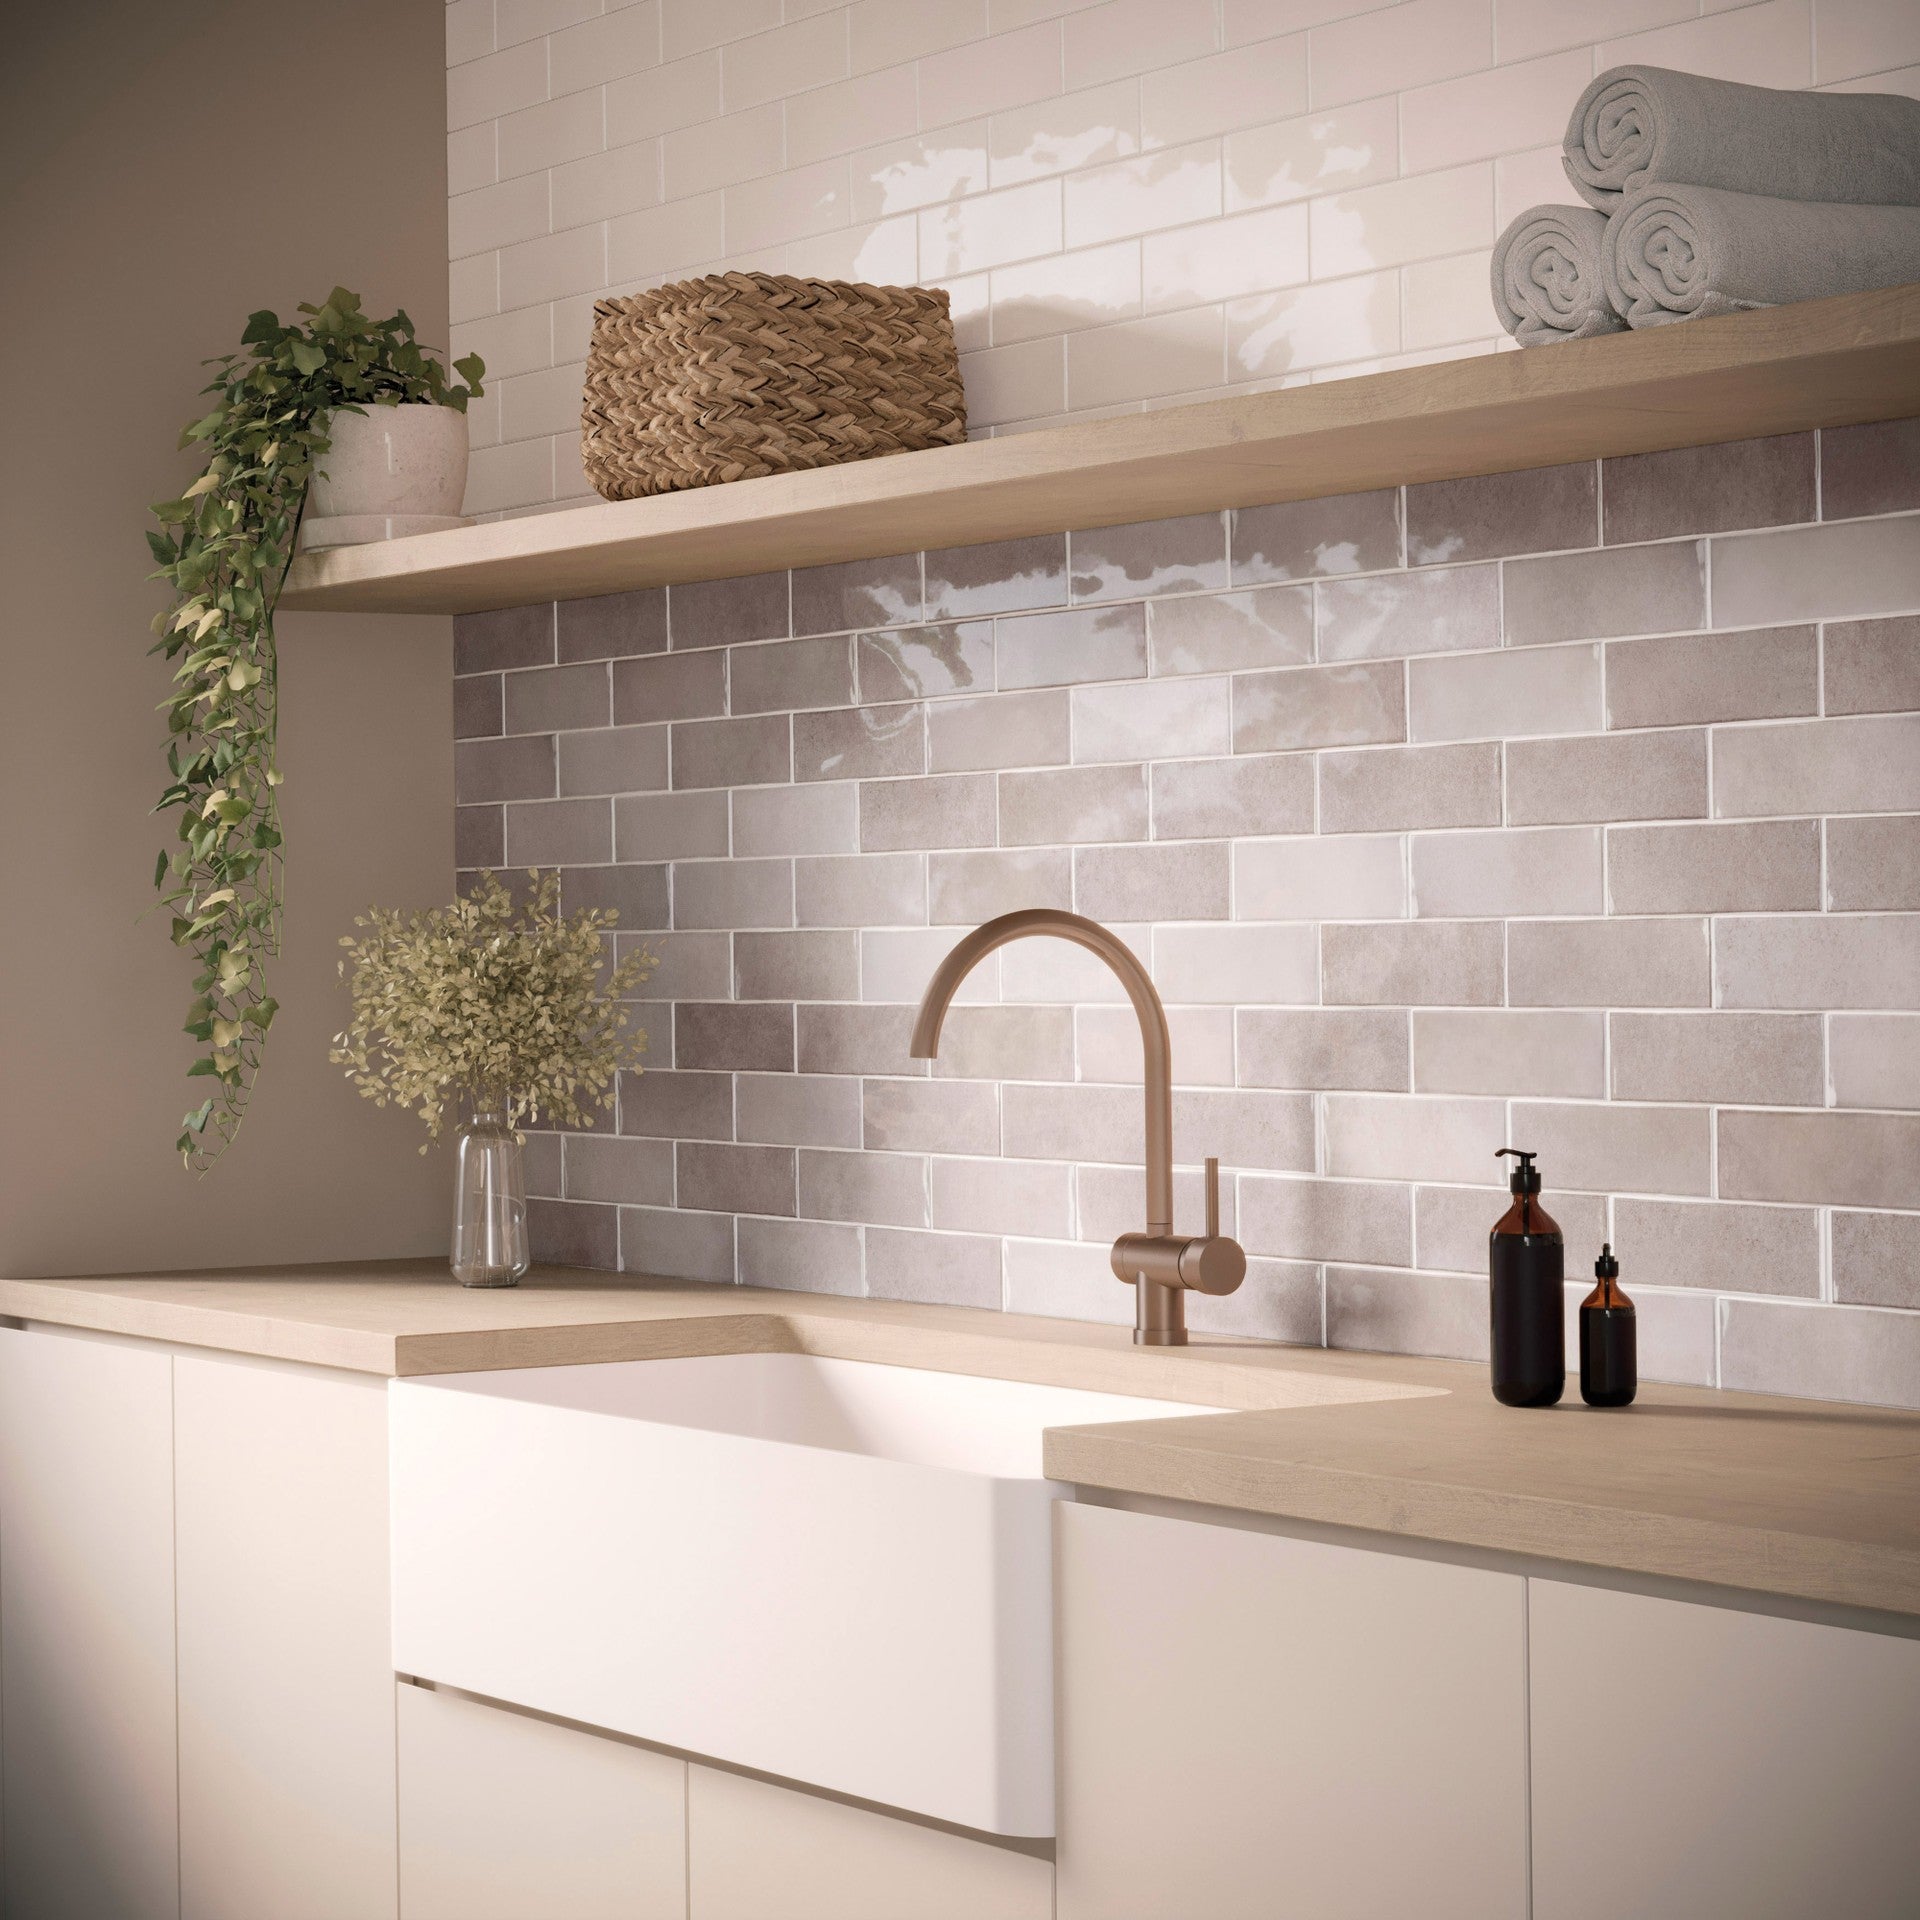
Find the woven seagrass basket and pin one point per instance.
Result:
(741, 374)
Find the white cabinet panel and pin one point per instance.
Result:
(1261, 1727)
(286, 1668)
(505, 1817)
(86, 1628)
(1696, 1760)
(756, 1851)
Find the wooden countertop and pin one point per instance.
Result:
(1797, 1499)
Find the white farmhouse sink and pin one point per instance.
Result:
(824, 1569)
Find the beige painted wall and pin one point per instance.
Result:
(166, 170)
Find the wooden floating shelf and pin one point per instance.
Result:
(1824, 363)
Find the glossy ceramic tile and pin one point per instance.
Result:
(1242, 87)
(1401, 220)
(992, 229)
(920, 171)
(1161, 189)
(1497, 111)
(1056, 136)
(1444, 873)
(1045, 297)
(1314, 153)
(1224, 259)
(1313, 326)
(1431, 40)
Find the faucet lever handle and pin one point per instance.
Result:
(1213, 1197)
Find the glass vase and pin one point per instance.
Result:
(489, 1206)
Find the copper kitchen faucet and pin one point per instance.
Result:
(1159, 1264)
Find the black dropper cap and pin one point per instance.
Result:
(1526, 1176)
(1606, 1267)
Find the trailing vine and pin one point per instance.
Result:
(224, 549)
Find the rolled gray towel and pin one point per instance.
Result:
(1637, 125)
(1674, 253)
(1547, 283)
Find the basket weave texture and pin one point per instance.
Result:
(741, 374)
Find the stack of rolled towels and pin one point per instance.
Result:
(1705, 196)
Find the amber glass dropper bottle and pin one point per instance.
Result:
(1609, 1358)
(1525, 1258)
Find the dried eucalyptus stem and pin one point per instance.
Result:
(490, 1006)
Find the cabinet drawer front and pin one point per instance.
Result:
(1253, 1726)
(1691, 1759)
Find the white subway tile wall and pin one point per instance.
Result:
(1444, 816)
(1133, 202)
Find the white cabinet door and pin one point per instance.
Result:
(505, 1817)
(1697, 1760)
(86, 1628)
(286, 1664)
(1256, 1726)
(756, 1851)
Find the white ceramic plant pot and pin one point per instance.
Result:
(390, 471)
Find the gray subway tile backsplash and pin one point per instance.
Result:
(1154, 556)
(613, 626)
(1388, 788)
(549, 699)
(1868, 764)
(1355, 877)
(1739, 483)
(1873, 863)
(910, 662)
(1685, 679)
(1245, 794)
(507, 637)
(1003, 576)
(615, 760)
(674, 686)
(559, 833)
(1634, 880)
(1338, 706)
(1348, 533)
(1872, 666)
(1873, 468)
(1070, 645)
(857, 593)
(1392, 615)
(859, 743)
(1599, 595)
(947, 810)
(1624, 776)
(1490, 516)
(733, 753)
(1226, 632)
(716, 613)
(477, 706)
(1841, 570)
(779, 676)
(1742, 1059)
(520, 768)
(1744, 867)
(999, 730)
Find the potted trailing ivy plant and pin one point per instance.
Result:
(224, 549)
(495, 1013)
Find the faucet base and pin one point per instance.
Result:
(1159, 1314)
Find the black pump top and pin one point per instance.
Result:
(1606, 1267)
(1526, 1176)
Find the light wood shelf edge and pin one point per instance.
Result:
(1823, 363)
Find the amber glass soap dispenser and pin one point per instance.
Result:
(1609, 1360)
(1527, 1261)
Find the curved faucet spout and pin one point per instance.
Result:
(1154, 1040)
